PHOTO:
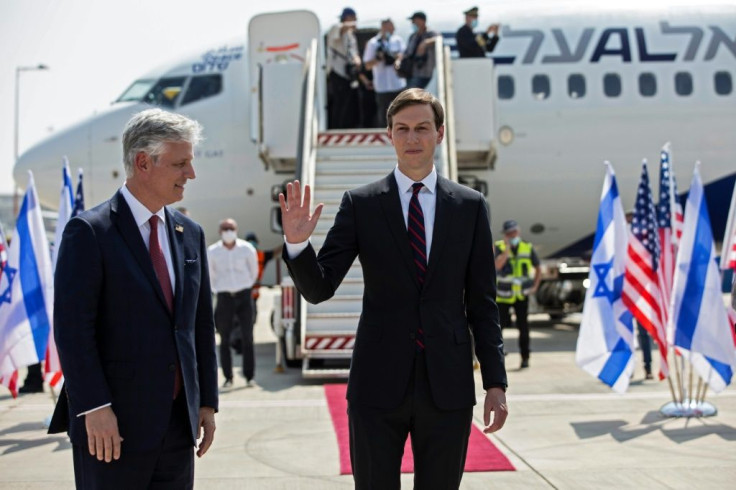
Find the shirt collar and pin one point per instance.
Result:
(141, 214)
(405, 183)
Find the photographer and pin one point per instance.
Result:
(381, 53)
(343, 68)
(420, 49)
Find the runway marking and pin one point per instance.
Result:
(321, 402)
(553, 397)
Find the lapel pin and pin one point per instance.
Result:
(179, 228)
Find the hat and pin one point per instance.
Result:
(251, 237)
(347, 12)
(510, 225)
(472, 12)
(418, 15)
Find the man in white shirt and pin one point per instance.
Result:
(233, 272)
(381, 52)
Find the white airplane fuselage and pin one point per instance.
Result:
(547, 176)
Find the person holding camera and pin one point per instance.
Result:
(343, 68)
(419, 61)
(381, 53)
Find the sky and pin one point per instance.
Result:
(95, 48)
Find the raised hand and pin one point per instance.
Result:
(296, 220)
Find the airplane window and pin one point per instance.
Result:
(576, 86)
(136, 91)
(683, 83)
(540, 87)
(505, 87)
(612, 85)
(723, 83)
(165, 92)
(647, 84)
(202, 87)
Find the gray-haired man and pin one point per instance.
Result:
(133, 321)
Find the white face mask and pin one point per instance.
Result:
(515, 241)
(229, 236)
(474, 23)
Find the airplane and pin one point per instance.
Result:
(571, 88)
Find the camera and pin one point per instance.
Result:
(383, 54)
(352, 71)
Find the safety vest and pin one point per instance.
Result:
(511, 288)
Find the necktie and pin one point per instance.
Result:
(418, 245)
(162, 274)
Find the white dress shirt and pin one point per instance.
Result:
(427, 200)
(141, 215)
(232, 270)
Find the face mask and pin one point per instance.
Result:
(414, 28)
(229, 236)
(515, 241)
(474, 23)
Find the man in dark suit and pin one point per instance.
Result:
(471, 46)
(425, 246)
(133, 321)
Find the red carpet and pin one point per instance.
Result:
(482, 454)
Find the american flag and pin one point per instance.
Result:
(728, 246)
(644, 279)
(670, 228)
(11, 381)
(79, 197)
(3, 250)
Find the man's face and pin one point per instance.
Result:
(418, 22)
(387, 27)
(414, 138)
(166, 175)
(512, 234)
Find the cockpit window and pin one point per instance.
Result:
(202, 87)
(165, 92)
(136, 91)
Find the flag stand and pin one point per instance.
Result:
(689, 408)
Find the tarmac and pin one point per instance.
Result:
(565, 430)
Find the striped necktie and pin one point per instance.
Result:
(418, 245)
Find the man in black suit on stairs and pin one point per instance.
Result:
(425, 246)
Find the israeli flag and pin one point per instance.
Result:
(606, 338)
(26, 290)
(66, 208)
(701, 328)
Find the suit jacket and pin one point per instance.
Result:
(117, 340)
(459, 292)
(467, 45)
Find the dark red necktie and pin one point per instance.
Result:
(162, 274)
(418, 245)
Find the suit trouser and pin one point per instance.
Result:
(521, 308)
(230, 305)
(439, 439)
(168, 466)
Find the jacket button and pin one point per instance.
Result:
(172, 367)
(412, 336)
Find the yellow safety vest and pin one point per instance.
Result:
(511, 288)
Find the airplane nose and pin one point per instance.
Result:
(45, 160)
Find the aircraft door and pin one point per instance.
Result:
(277, 48)
(474, 89)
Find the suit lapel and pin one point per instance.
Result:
(391, 204)
(176, 241)
(125, 223)
(444, 209)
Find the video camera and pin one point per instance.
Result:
(383, 54)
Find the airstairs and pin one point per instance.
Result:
(287, 83)
(334, 162)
